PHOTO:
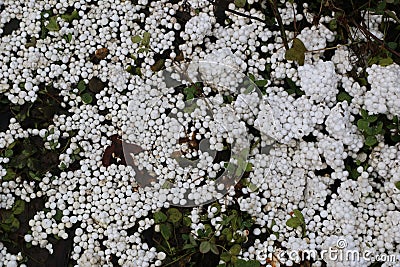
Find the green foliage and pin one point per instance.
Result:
(296, 52)
(176, 239)
(397, 184)
(144, 41)
(297, 220)
(19, 207)
(39, 114)
(292, 89)
(370, 127)
(83, 91)
(53, 25)
(159, 217)
(87, 98)
(70, 17)
(240, 3)
(205, 247)
(344, 96)
(174, 215)
(190, 92)
(68, 37)
(8, 220)
(249, 263)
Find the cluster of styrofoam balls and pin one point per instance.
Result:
(106, 201)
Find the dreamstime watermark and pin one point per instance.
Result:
(336, 253)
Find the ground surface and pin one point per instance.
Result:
(199, 133)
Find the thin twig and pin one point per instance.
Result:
(280, 23)
(247, 16)
(369, 34)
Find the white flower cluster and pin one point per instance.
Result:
(385, 161)
(340, 125)
(315, 38)
(198, 3)
(319, 81)
(294, 118)
(384, 96)
(333, 152)
(197, 28)
(9, 260)
(289, 13)
(343, 59)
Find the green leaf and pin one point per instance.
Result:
(372, 118)
(299, 215)
(174, 215)
(235, 249)
(136, 39)
(297, 52)
(251, 76)
(214, 249)
(18, 207)
(146, 39)
(142, 50)
(188, 246)
(261, 83)
(189, 92)
(392, 45)
(32, 42)
(86, 98)
(8, 153)
(227, 232)
(362, 124)
(344, 96)
(58, 215)
(386, 61)
(250, 263)
(165, 230)
(192, 240)
(381, 7)
(397, 184)
(225, 256)
(371, 140)
(379, 128)
(68, 37)
(205, 247)
(14, 224)
(293, 222)
(364, 113)
(53, 25)
(249, 167)
(333, 25)
(252, 187)
(81, 86)
(187, 221)
(70, 17)
(395, 138)
(240, 3)
(10, 175)
(159, 217)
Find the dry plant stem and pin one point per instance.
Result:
(244, 15)
(280, 23)
(294, 21)
(371, 35)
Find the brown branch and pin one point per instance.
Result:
(280, 23)
(371, 35)
(246, 16)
